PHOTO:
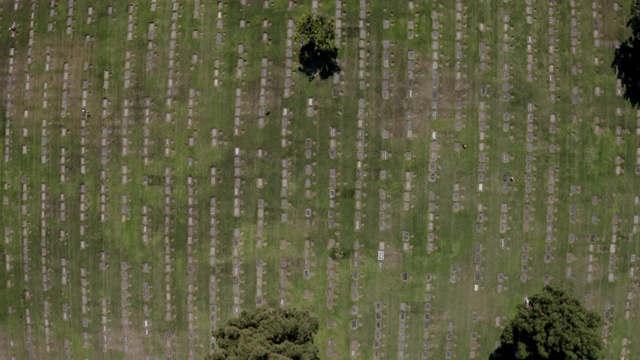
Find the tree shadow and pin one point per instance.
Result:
(626, 60)
(318, 62)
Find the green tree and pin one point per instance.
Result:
(267, 334)
(551, 325)
(318, 52)
(626, 60)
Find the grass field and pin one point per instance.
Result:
(159, 178)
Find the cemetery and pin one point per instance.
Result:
(166, 165)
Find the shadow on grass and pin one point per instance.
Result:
(626, 60)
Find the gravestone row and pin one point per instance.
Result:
(288, 81)
(213, 242)
(335, 92)
(387, 61)
(260, 271)
(553, 39)
(528, 173)
(237, 181)
(127, 70)
(147, 141)
(506, 46)
(377, 342)
(192, 237)
(435, 65)
(124, 303)
(69, 22)
(26, 257)
(262, 103)
(460, 78)
(151, 34)
(432, 221)
(552, 179)
(237, 271)
(426, 333)
(9, 106)
(47, 325)
(282, 277)
(402, 326)
(104, 324)
(449, 345)
(171, 72)
(84, 305)
(168, 200)
(125, 133)
(30, 341)
(362, 45)
(130, 25)
(284, 167)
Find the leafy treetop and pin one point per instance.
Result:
(318, 53)
(267, 334)
(551, 325)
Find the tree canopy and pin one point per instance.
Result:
(626, 61)
(318, 52)
(267, 334)
(551, 325)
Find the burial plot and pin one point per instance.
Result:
(337, 42)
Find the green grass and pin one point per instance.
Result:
(584, 160)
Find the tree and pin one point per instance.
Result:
(267, 334)
(318, 52)
(551, 325)
(626, 61)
